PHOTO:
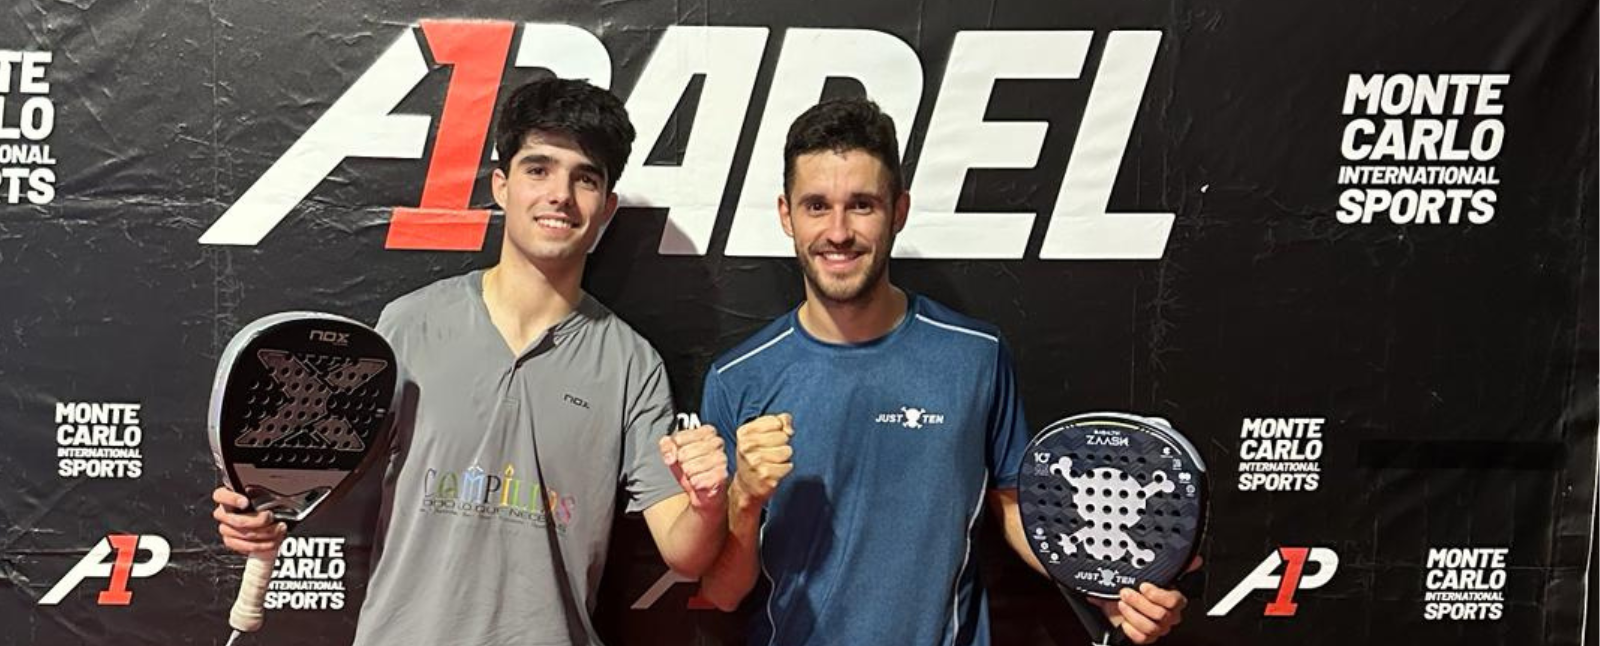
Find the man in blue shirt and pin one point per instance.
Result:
(872, 424)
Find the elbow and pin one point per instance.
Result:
(693, 562)
(684, 566)
(721, 599)
(690, 564)
(726, 605)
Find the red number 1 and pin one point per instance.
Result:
(477, 51)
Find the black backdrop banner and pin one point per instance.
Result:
(1348, 248)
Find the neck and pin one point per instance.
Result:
(526, 298)
(864, 319)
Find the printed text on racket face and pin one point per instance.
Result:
(329, 336)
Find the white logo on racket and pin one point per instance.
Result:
(1116, 502)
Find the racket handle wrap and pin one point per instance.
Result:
(1095, 621)
(247, 614)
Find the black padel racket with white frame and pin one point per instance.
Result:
(301, 403)
(1111, 501)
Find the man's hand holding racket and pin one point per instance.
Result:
(763, 457)
(1148, 613)
(245, 533)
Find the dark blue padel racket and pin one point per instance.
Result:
(301, 402)
(1111, 501)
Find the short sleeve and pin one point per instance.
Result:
(716, 411)
(1008, 425)
(649, 418)
(385, 325)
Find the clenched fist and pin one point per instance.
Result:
(763, 455)
(698, 461)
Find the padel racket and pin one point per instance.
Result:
(1111, 501)
(300, 403)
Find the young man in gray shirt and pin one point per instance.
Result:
(534, 404)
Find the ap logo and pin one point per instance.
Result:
(100, 564)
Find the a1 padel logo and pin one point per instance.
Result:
(909, 417)
(726, 62)
(119, 569)
(659, 589)
(1293, 578)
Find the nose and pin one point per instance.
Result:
(559, 192)
(836, 229)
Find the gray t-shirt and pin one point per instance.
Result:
(466, 534)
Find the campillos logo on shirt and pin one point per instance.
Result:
(478, 494)
(909, 417)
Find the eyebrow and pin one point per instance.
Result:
(858, 195)
(546, 160)
(535, 160)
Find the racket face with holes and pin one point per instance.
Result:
(300, 401)
(1110, 501)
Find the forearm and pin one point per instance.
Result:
(693, 540)
(733, 573)
(1003, 502)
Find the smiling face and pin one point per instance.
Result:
(842, 213)
(556, 200)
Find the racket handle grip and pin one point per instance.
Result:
(247, 614)
(1101, 632)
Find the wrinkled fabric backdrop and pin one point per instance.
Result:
(1349, 249)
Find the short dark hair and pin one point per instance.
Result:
(592, 116)
(841, 125)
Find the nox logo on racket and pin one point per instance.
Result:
(308, 391)
(120, 569)
(328, 336)
(1293, 579)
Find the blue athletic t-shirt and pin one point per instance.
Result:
(896, 441)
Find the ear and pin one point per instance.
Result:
(783, 215)
(603, 218)
(499, 186)
(902, 208)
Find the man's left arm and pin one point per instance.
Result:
(1144, 615)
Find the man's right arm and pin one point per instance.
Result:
(762, 455)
